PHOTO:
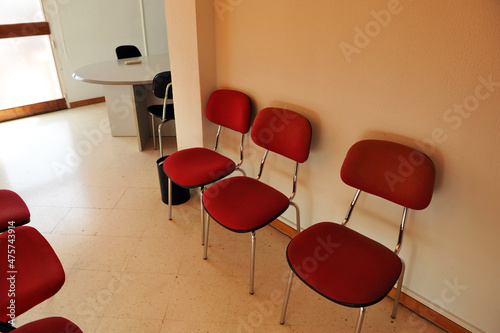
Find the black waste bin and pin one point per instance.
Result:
(179, 194)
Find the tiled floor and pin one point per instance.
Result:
(128, 268)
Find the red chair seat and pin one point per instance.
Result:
(38, 272)
(12, 208)
(195, 167)
(245, 204)
(349, 268)
(49, 325)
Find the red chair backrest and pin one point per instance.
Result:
(283, 131)
(13, 210)
(229, 108)
(36, 271)
(390, 170)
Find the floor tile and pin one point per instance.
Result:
(83, 221)
(142, 296)
(107, 253)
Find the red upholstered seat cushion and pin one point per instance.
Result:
(244, 204)
(39, 273)
(343, 265)
(12, 208)
(50, 325)
(195, 167)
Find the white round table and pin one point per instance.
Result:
(126, 89)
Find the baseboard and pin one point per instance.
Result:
(32, 109)
(86, 102)
(408, 301)
(429, 314)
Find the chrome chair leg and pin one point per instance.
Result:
(153, 127)
(287, 297)
(252, 264)
(242, 171)
(159, 138)
(202, 217)
(169, 199)
(297, 215)
(398, 291)
(361, 316)
(205, 248)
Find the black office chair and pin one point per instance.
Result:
(162, 88)
(127, 51)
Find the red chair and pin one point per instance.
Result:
(197, 167)
(29, 273)
(345, 266)
(244, 204)
(13, 210)
(49, 325)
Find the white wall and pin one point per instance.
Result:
(416, 75)
(192, 61)
(88, 31)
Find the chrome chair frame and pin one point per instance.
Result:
(253, 234)
(202, 188)
(162, 120)
(362, 310)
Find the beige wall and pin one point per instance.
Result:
(423, 73)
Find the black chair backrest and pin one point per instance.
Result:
(127, 51)
(160, 82)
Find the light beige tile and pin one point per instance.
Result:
(143, 297)
(162, 227)
(46, 219)
(86, 324)
(253, 325)
(69, 248)
(199, 298)
(220, 258)
(307, 308)
(146, 176)
(101, 197)
(106, 176)
(127, 222)
(86, 293)
(140, 198)
(261, 308)
(156, 255)
(83, 221)
(270, 253)
(56, 195)
(120, 325)
(107, 253)
(192, 327)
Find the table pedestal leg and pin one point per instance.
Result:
(142, 117)
(120, 106)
